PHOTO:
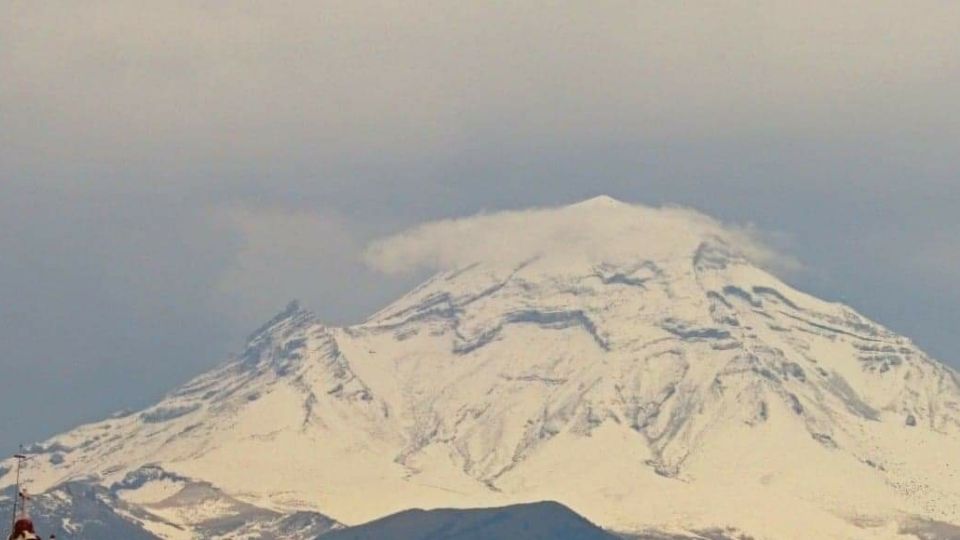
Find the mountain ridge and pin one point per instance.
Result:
(532, 521)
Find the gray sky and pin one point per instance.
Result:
(171, 173)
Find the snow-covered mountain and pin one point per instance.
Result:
(641, 368)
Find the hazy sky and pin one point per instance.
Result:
(172, 172)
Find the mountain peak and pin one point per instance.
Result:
(292, 312)
(599, 201)
(601, 230)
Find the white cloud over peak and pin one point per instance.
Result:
(599, 229)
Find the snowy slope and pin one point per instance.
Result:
(647, 374)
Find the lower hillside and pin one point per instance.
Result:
(85, 511)
(536, 521)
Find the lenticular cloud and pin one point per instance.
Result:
(599, 229)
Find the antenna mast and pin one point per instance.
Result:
(20, 457)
